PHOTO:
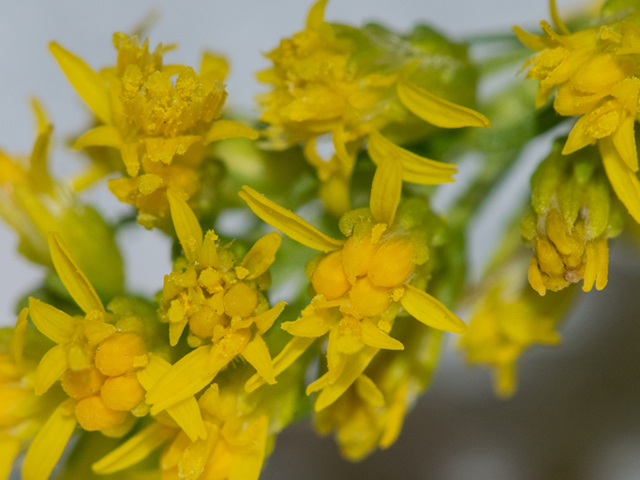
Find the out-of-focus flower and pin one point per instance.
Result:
(222, 303)
(161, 118)
(361, 283)
(34, 203)
(573, 213)
(596, 70)
(339, 80)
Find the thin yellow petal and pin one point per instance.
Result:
(102, 136)
(262, 255)
(288, 222)
(534, 42)
(415, 169)
(578, 138)
(557, 21)
(87, 83)
(16, 347)
(315, 19)
(591, 268)
(10, 447)
(505, 380)
(264, 321)
(208, 256)
(50, 369)
(53, 323)
(195, 456)
(289, 354)
(623, 180)
(185, 378)
(624, 139)
(129, 152)
(430, 311)
(248, 464)
(43, 124)
(74, 280)
(96, 330)
(436, 110)
(369, 391)
(186, 224)
(257, 354)
(47, 447)
(395, 417)
(374, 337)
(386, 190)
(603, 264)
(134, 450)
(354, 366)
(222, 129)
(535, 278)
(214, 67)
(314, 324)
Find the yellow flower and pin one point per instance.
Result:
(371, 412)
(360, 283)
(596, 70)
(220, 301)
(239, 431)
(573, 213)
(505, 324)
(159, 117)
(34, 203)
(96, 358)
(22, 412)
(319, 87)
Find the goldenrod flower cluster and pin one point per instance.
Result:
(197, 382)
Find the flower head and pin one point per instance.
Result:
(595, 72)
(338, 80)
(222, 303)
(573, 213)
(159, 117)
(360, 283)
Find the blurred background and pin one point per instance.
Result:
(577, 412)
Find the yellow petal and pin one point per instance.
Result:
(557, 21)
(53, 323)
(315, 19)
(436, 110)
(16, 347)
(336, 360)
(534, 42)
(395, 417)
(603, 264)
(134, 450)
(578, 138)
(535, 277)
(505, 380)
(257, 354)
(430, 311)
(87, 83)
(623, 180)
(195, 456)
(43, 124)
(102, 136)
(262, 255)
(50, 442)
(288, 222)
(624, 139)
(591, 268)
(289, 354)
(186, 224)
(50, 369)
(213, 67)
(10, 447)
(374, 337)
(96, 331)
(314, 324)
(415, 169)
(369, 391)
(185, 378)
(72, 277)
(129, 152)
(354, 366)
(208, 256)
(386, 190)
(248, 464)
(222, 129)
(264, 321)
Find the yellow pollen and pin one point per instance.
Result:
(367, 299)
(329, 278)
(391, 264)
(122, 393)
(240, 300)
(93, 414)
(116, 355)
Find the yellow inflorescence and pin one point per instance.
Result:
(159, 117)
(596, 70)
(319, 88)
